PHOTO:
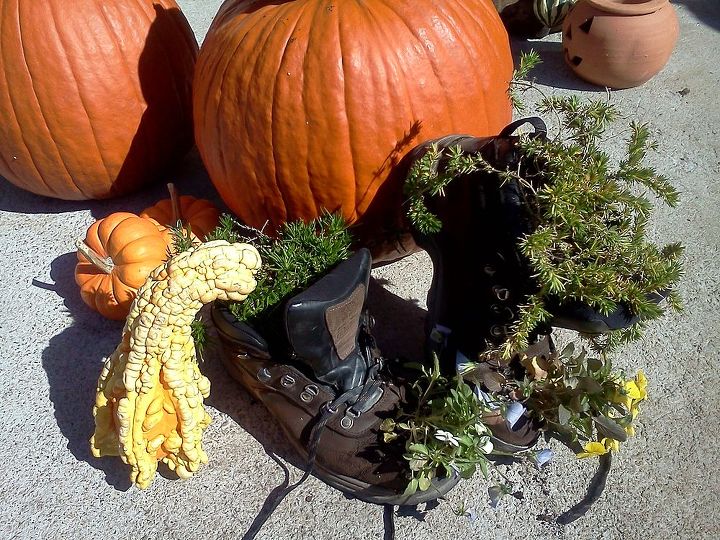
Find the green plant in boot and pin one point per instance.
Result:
(442, 429)
(586, 220)
(299, 254)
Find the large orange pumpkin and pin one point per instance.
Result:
(115, 259)
(95, 97)
(304, 105)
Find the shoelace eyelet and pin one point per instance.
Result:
(503, 311)
(347, 421)
(501, 293)
(309, 393)
(499, 330)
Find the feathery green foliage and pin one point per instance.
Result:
(528, 61)
(427, 178)
(182, 239)
(588, 239)
(201, 338)
(299, 254)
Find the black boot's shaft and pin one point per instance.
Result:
(479, 276)
(323, 323)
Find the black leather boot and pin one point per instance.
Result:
(480, 278)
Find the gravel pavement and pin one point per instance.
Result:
(664, 483)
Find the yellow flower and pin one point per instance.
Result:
(641, 381)
(632, 391)
(621, 399)
(637, 388)
(611, 444)
(592, 449)
(630, 430)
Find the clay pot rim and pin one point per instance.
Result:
(621, 8)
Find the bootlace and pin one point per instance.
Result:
(359, 400)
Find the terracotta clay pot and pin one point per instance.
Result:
(619, 43)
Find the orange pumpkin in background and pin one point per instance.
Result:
(95, 97)
(200, 215)
(115, 259)
(305, 105)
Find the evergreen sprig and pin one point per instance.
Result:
(298, 254)
(588, 219)
(182, 239)
(428, 178)
(528, 61)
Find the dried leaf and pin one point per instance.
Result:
(493, 381)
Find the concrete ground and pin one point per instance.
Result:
(664, 483)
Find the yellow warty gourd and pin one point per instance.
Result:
(149, 402)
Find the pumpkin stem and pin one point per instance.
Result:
(104, 264)
(175, 202)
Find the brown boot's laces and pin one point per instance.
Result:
(361, 399)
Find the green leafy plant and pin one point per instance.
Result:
(442, 429)
(182, 239)
(200, 335)
(588, 220)
(571, 394)
(528, 61)
(294, 258)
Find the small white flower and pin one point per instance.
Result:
(486, 445)
(447, 437)
(513, 413)
(481, 429)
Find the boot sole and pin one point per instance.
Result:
(353, 487)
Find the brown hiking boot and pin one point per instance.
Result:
(326, 386)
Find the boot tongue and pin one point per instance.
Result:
(323, 324)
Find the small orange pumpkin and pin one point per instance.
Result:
(115, 259)
(200, 214)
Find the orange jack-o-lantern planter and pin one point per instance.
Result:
(619, 43)
(302, 106)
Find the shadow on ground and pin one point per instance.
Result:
(190, 178)
(72, 362)
(707, 11)
(552, 71)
